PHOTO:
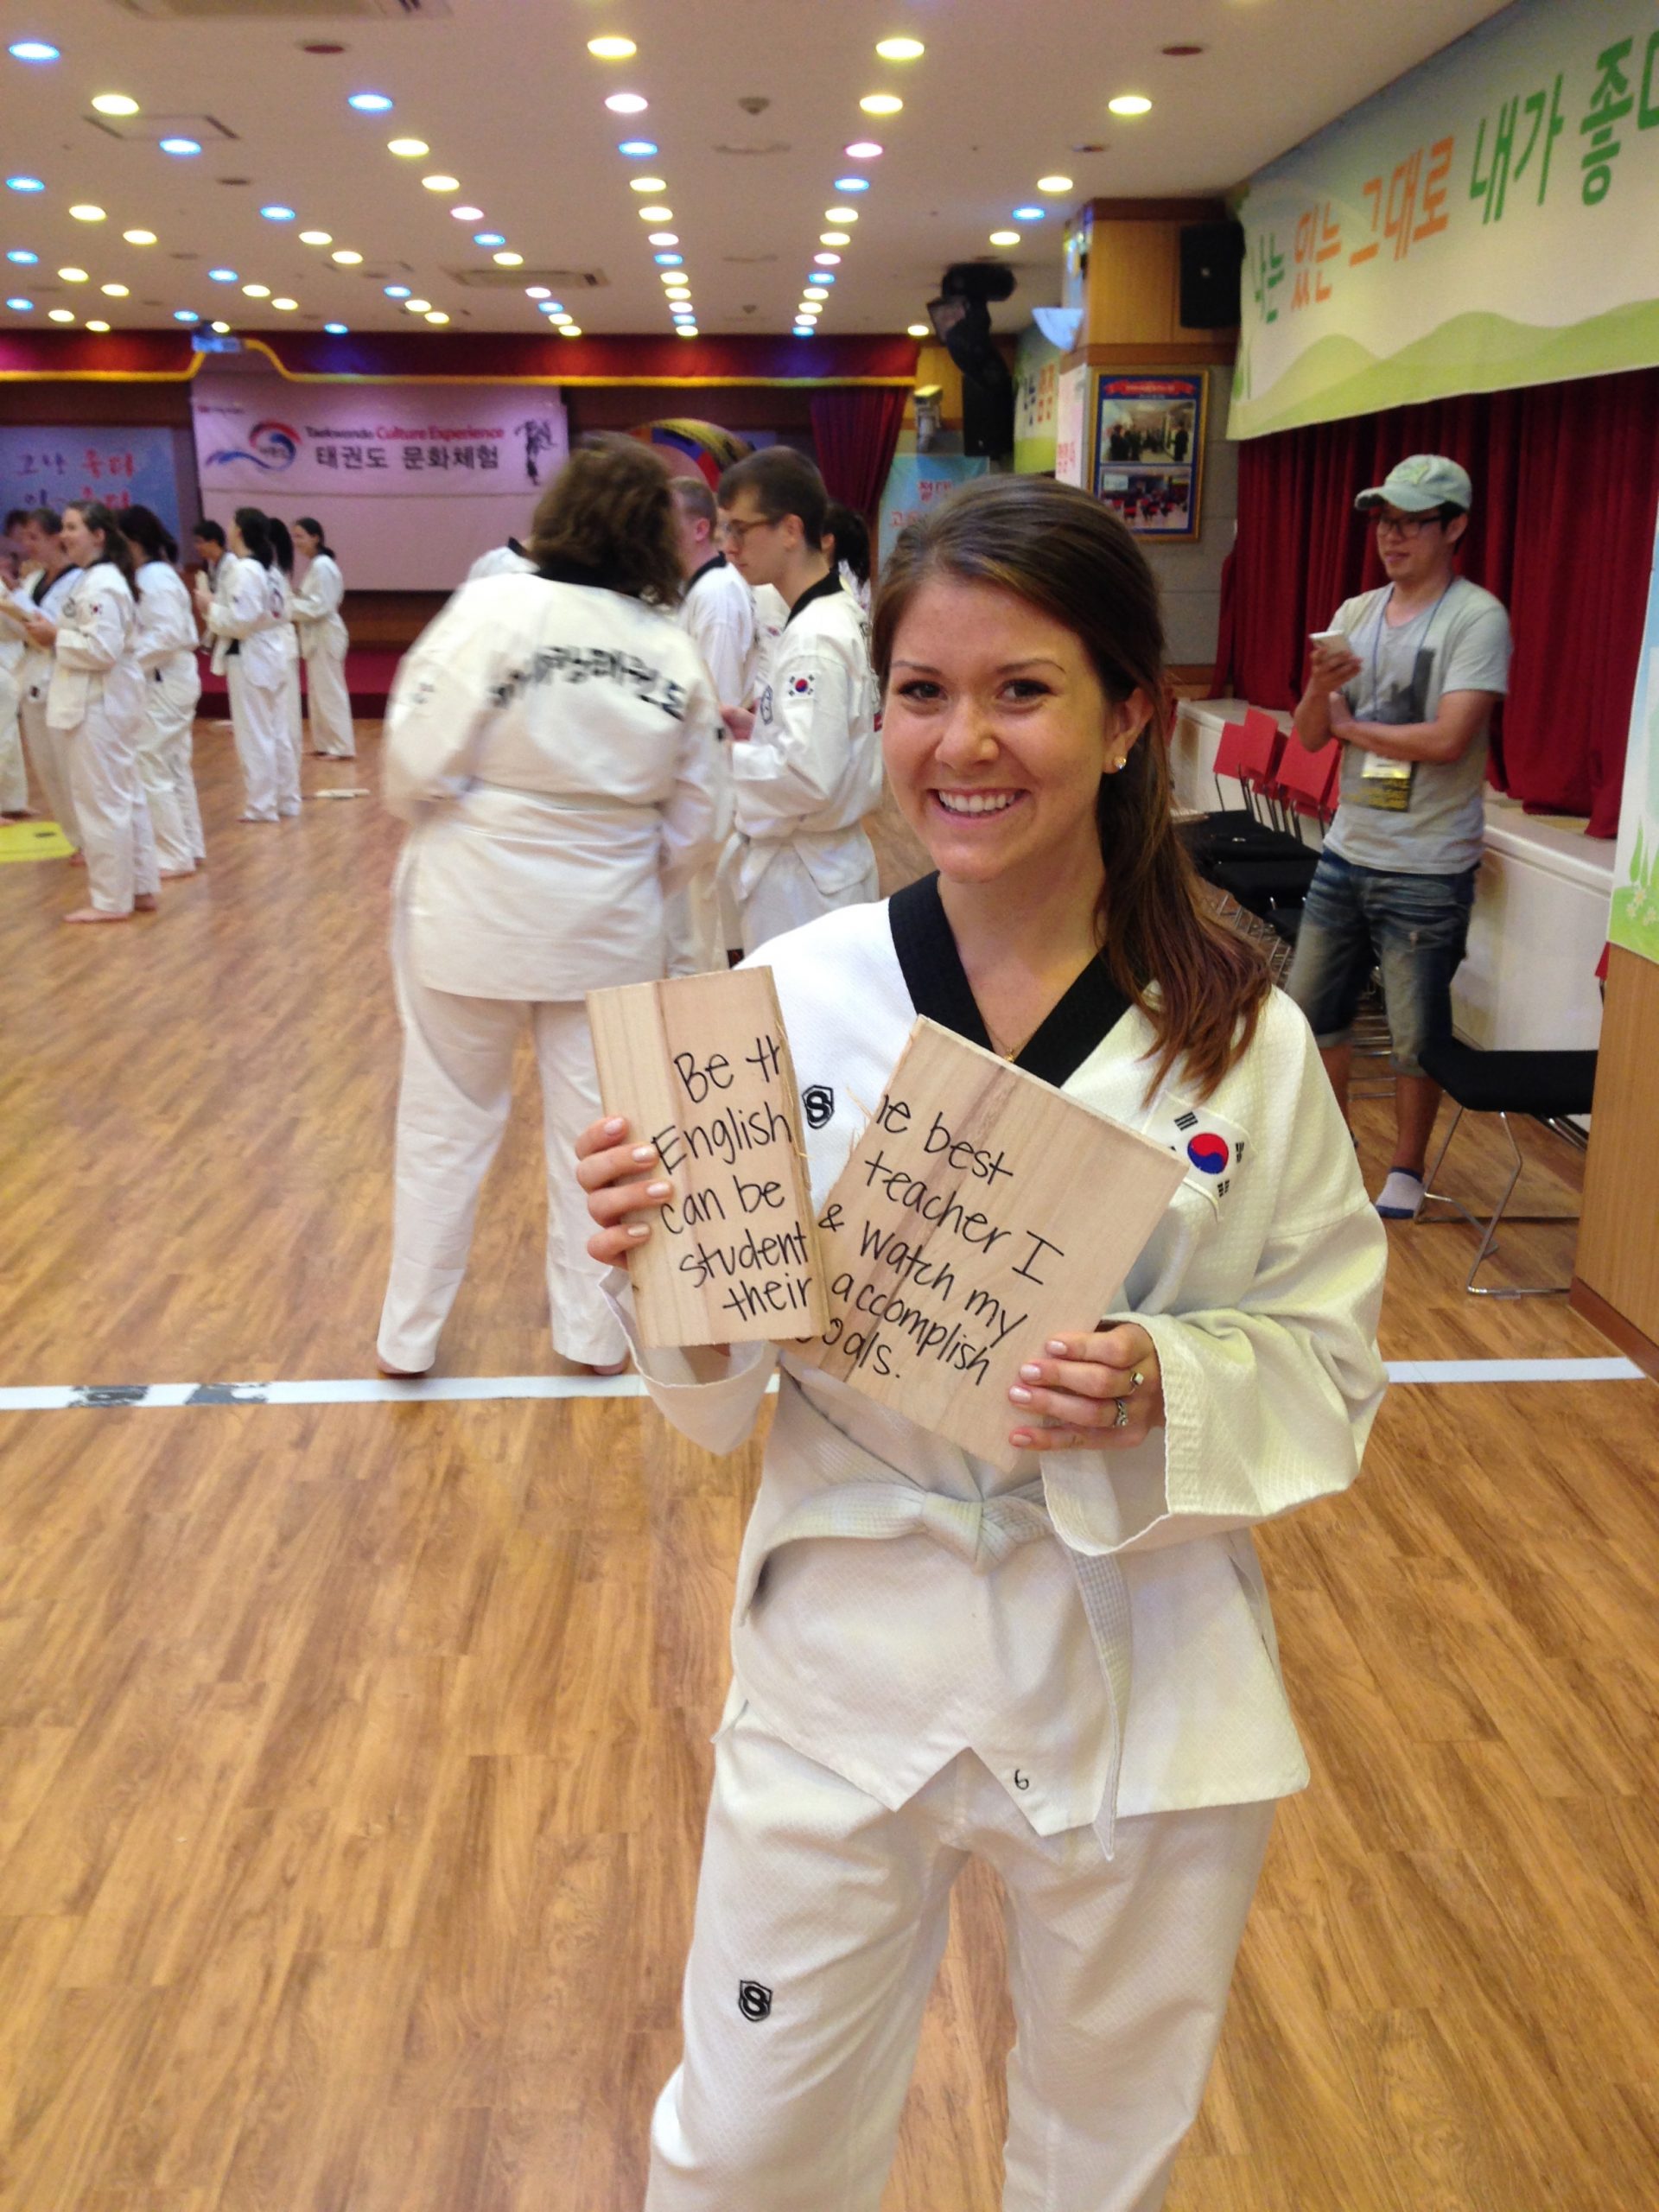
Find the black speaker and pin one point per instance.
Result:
(988, 417)
(1212, 263)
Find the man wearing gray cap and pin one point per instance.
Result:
(1406, 679)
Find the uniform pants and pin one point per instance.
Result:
(691, 917)
(452, 1109)
(256, 721)
(331, 706)
(116, 833)
(821, 1919)
(171, 696)
(293, 739)
(14, 777)
(49, 760)
(787, 895)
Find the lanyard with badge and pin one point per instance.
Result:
(1385, 783)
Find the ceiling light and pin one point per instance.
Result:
(821, 276)
(407, 150)
(1053, 184)
(647, 184)
(113, 291)
(223, 328)
(537, 292)
(139, 238)
(489, 238)
(669, 260)
(98, 326)
(277, 212)
(803, 330)
(918, 330)
(221, 277)
(441, 183)
(637, 150)
(612, 49)
(626, 104)
(21, 306)
(25, 184)
(808, 314)
(862, 150)
(316, 238)
(1005, 238)
(115, 103)
(86, 212)
(436, 315)
(815, 292)
(418, 307)
(72, 276)
(1130, 103)
(181, 146)
(62, 314)
(656, 214)
(397, 291)
(826, 260)
(840, 214)
(569, 330)
(285, 305)
(33, 49)
(333, 329)
(852, 184)
(901, 49)
(557, 313)
(21, 253)
(881, 104)
(180, 314)
(685, 330)
(345, 256)
(368, 103)
(256, 291)
(508, 260)
(663, 238)
(467, 214)
(1029, 214)
(835, 238)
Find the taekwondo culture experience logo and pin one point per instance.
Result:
(271, 446)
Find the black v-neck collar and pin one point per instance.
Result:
(938, 987)
(825, 587)
(715, 561)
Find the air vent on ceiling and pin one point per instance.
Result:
(289, 11)
(150, 130)
(514, 280)
(756, 146)
(748, 260)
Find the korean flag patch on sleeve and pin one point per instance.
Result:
(1212, 1147)
(798, 689)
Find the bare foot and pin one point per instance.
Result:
(97, 914)
(613, 1367)
(175, 874)
(145, 903)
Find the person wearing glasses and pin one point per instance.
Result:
(1408, 688)
(806, 767)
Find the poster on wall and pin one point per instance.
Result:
(916, 483)
(411, 482)
(1149, 451)
(1072, 425)
(48, 467)
(1486, 222)
(1634, 923)
(1036, 403)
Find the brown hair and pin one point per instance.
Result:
(783, 482)
(1200, 984)
(609, 512)
(96, 516)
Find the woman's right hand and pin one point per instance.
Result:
(618, 1179)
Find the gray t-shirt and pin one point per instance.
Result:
(1461, 644)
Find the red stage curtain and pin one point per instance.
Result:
(857, 433)
(1567, 478)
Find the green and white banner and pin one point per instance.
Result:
(1634, 923)
(1489, 221)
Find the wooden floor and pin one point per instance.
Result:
(353, 1757)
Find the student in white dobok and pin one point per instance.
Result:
(242, 610)
(717, 615)
(14, 775)
(1068, 1670)
(550, 741)
(48, 578)
(806, 767)
(95, 704)
(166, 647)
(324, 643)
(288, 760)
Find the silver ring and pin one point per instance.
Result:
(1120, 1418)
(1136, 1379)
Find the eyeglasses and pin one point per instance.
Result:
(1407, 525)
(736, 533)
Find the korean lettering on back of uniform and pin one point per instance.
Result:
(577, 664)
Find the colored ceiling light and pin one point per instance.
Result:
(21, 253)
(114, 292)
(647, 184)
(25, 184)
(840, 214)
(98, 326)
(901, 49)
(277, 212)
(626, 104)
(185, 314)
(408, 149)
(21, 306)
(84, 211)
(115, 103)
(62, 314)
(1130, 103)
(852, 184)
(489, 238)
(805, 330)
(637, 150)
(33, 49)
(397, 291)
(368, 103)
(862, 150)
(917, 330)
(139, 238)
(656, 238)
(554, 311)
(441, 183)
(656, 214)
(1053, 184)
(256, 291)
(73, 276)
(316, 238)
(612, 49)
(881, 104)
(345, 256)
(336, 329)
(835, 238)
(467, 214)
(285, 305)
(222, 277)
(182, 147)
(508, 260)
(436, 314)
(670, 260)
(1005, 238)
(826, 260)
(1029, 214)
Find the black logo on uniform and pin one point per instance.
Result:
(820, 1103)
(753, 2000)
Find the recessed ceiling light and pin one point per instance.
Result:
(316, 238)
(656, 214)
(489, 238)
(826, 260)
(637, 150)
(436, 314)
(467, 214)
(1005, 238)
(181, 146)
(345, 256)
(840, 214)
(918, 330)
(612, 49)
(670, 260)
(397, 291)
(537, 292)
(626, 104)
(901, 49)
(656, 238)
(805, 330)
(1053, 184)
(98, 326)
(180, 314)
(223, 328)
(852, 184)
(222, 277)
(285, 305)
(862, 150)
(256, 291)
(685, 330)
(441, 183)
(508, 260)
(820, 276)
(25, 184)
(881, 104)
(835, 238)
(418, 307)
(1130, 103)
(21, 306)
(555, 313)
(808, 312)
(62, 314)
(1029, 214)
(21, 253)
(83, 212)
(407, 150)
(569, 330)
(647, 184)
(73, 276)
(333, 329)
(277, 212)
(114, 292)
(815, 292)
(368, 103)
(115, 103)
(33, 49)
(139, 238)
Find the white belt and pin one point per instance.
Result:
(868, 1499)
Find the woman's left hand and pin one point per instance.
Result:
(42, 631)
(1097, 1390)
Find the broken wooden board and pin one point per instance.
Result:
(700, 1066)
(982, 1212)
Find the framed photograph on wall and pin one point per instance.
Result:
(1149, 450)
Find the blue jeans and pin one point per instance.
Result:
(1413, 927)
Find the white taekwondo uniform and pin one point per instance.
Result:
(288, 754)
(95, 703)
(770, 612)
(508, 560)
(552, 744)
(810, 773)
(164, 644)
(717, 615)
(14, 776)
(244, 621)
(1069, 1669)
(324, 643)
(44, 744)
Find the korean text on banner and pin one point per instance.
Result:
(126, 468)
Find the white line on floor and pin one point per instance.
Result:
(451, 1388)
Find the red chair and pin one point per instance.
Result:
(1307, 781)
